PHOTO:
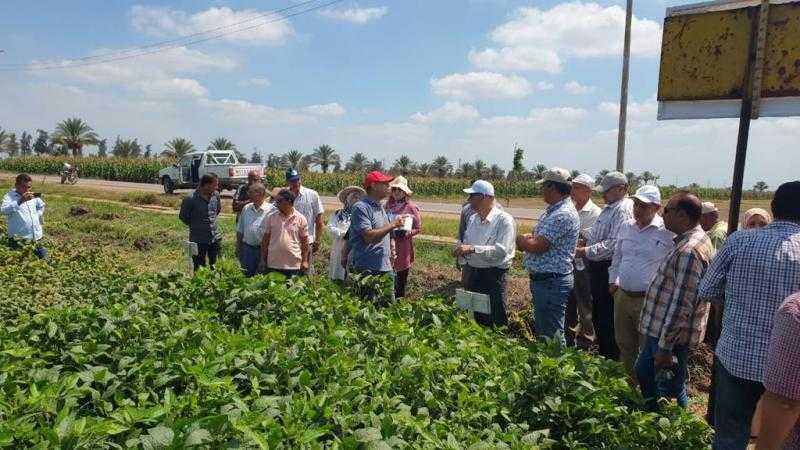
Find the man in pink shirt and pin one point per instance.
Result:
(285, 244)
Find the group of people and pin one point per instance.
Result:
(643, 280)
(638, 279)
(280, 231)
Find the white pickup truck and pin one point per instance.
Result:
(186, 173)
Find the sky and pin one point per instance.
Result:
(467, 79)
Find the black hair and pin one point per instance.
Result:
(208, 178)
(23, 178)
(562, 188)
(286, 195)
(786, 202)
(689, 204)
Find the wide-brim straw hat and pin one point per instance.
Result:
(402, 184)
(344, 193)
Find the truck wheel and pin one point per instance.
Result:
(169, 186)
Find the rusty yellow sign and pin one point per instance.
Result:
(706, 51)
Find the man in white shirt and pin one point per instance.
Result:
(24, 211)
(307, 203)
(642, 245)
(250, 228)
(488, 249)
(580, 330)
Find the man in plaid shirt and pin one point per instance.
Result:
(673, 318)
(751, 275)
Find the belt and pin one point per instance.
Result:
(633, 294)
(251, 246)
(546, 276)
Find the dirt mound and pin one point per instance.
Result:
(142, 244)
(79, 210)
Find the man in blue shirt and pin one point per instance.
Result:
(24, 212)
(370, 228)
(549, 254)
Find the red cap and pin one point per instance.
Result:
(377, 177)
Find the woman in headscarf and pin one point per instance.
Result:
(756, 218)
(338, 224)
(400, 204)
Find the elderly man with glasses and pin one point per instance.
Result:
(487, 248)
(550, 251)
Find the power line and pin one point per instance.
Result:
(168, 45)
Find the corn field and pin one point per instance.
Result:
(146, 171)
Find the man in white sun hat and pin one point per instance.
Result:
(642, 245)
(487, 249)
(580, 330)
(599, 249)
(549, 253)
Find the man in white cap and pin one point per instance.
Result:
(580, 329)
(487, 249)
(642, 245)
(599, 249)
(717, 230)
(550, 251)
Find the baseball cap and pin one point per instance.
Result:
(556, 175)
(709, 207)
(292, 175)
(377, 177)
(612, 180)
(481, 187)
(585, 180)
(648, 194)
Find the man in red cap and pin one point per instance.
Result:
(370, 229)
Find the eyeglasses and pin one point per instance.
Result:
(476, 196)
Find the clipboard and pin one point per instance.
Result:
(473, 301)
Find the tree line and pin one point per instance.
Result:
(72, 135)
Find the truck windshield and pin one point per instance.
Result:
(220, 158)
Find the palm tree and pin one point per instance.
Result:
(74, 134)
(466, 170)
(357, 163)
(647, 176)
(601, 175)
(292, 159)
(126, 148)
(423, 169)
(760, 186)
(496, 173)
(441, 166)
(633, 180)
(324, 156)
(178, 147)
(481, 169)
(5, 141)
(375, 164)
(222, 144)
(538, 171)
(403, 165)
(305, 163)
(575, 173)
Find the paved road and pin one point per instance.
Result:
(329, 202)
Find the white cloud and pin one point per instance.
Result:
(474, 85)
(258, 28)
(325, 110)
(646, 110)
(551, 117)
(154, 75)
(450, 112)
(517, 58)
(544, 86)
(540, 39)
(255, 82)
(242, 111)
(358, 16)
(575, 88)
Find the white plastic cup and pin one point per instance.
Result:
(408, 222)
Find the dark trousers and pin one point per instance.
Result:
(652, 388)
(580, 329)
(39, 251)
(736, 400)
(492, 282)
(603, 310)
(400, 281)
(207, 254)
(288, 273)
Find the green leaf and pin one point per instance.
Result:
(157, 437)
(198, 436)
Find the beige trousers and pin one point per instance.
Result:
(627, 309)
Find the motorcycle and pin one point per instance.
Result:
(69, 175)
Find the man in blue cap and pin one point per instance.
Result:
(307, 203)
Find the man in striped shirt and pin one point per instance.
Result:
(673, 317)
(751, 275)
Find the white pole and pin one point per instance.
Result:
(623, 103)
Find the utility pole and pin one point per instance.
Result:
(623, 102)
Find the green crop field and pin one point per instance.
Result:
(105, 346)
